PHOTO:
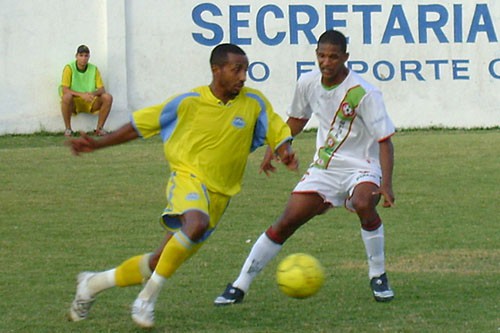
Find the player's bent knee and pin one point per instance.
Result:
(67, 98)
(362, 204)
(196, 231)
(108, 98)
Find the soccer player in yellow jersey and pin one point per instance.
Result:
(208, 134)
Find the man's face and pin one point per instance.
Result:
(232, 75)
(331, 61)
(82, 59)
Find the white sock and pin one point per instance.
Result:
(262, 252)
(374, 246)
(102, 281)
(152, 288)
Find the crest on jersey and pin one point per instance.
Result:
(347, 110)
(238, 122)
(193, 196)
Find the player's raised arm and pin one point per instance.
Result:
(86, 144)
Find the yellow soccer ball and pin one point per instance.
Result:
(300, 275)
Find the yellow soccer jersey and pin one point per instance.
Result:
(212, 140)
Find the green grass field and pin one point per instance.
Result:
(60, 215)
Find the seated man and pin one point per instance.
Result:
(82, 90)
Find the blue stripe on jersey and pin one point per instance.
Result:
(260, 130)
(168, 117)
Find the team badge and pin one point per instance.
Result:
(238, 122)
(193, 196)
(347, 110)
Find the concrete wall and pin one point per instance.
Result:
(437, 62)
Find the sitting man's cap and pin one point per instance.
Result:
(83, 49)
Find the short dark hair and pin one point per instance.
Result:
(334, 37)
(219, 53)
(83, 49)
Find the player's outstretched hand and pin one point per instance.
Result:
(287, 156)
(284, 154)
(291, 162)
(86, 144)
(83, 144)
(266, 165)
(388, 196)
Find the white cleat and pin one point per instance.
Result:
(83, 299)
(143, 313)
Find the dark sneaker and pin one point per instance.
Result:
(381, 289)
(230, 296)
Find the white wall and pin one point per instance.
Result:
(146, 51)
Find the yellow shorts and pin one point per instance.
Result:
(82, 105)
(185, 193)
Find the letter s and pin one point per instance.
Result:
(218, 32)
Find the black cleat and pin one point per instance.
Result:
(230, 296)
(381, 289)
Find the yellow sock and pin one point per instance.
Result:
(178, 249)
(133, 271)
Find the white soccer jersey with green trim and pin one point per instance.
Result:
(352, 120)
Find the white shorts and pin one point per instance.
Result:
(336, 186)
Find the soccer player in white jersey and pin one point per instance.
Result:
(352, 166)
